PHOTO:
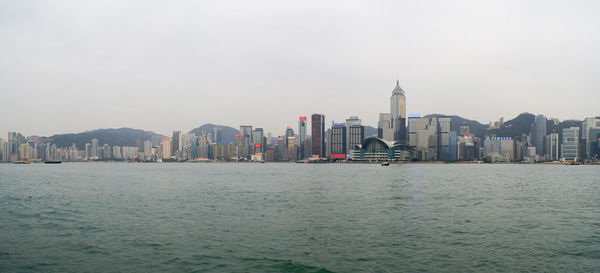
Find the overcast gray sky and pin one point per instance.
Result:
(71, 66)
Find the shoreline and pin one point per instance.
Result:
(320, 162)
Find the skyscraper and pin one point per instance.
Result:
(289, 132)
(570, 144)
(423, 136)
(246, 132)
(356, 136)
(552, 147)
(88, 151)
(302, 136)
(291, 148)
(217, 134)
(176, 142)
(593, 143)
(385, 129)
(443, 137)
(5, 147)
(107, 152)
(94, 149)
(464, 129)
(281, 149)
(355, 132)
(147, 147)
(258, 136)
(239, 145)
(167, 145)
(586, 126)
(318, 135)
(338, 140)
(539, 134)
(398, 112)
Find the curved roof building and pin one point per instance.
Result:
(378, 149)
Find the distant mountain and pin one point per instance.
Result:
(475, 127)
(112, 137)
(228, 132)
(515, 127)
(522, 125)
(551, 128)
(370, 131)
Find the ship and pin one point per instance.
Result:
(23, 162)
(52, 162)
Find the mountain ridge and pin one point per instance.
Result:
(112, 136)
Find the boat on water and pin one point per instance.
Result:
(23, 162)
(52, 162)
(385, 164)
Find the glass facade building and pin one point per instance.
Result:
(318, 135)
(302, 137)
(570, 144)
(338, 139)
(539, 134)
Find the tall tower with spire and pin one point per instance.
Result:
(398, 112)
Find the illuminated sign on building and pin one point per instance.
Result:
(338, 156)
(257, 145)
(302, 118)
(355, 123)
(279, 138)
(238, 135)
(414, 115)
(498, 138)
(339, 125)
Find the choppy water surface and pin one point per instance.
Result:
(121, 217)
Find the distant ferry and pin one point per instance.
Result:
(52, 162)
(23, 162)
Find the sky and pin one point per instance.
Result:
(73, 66)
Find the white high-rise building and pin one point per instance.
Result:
(385, 129)
(94, 149)
(552, 147)
(570, 144)
(148, 147)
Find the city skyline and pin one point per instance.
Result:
(74, 67)
(281, 129)
(527, 138)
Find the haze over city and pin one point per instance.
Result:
(73, 66)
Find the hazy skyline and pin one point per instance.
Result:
(72, 66)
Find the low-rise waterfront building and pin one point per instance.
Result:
(378, 149)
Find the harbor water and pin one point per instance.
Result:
(287, 217)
